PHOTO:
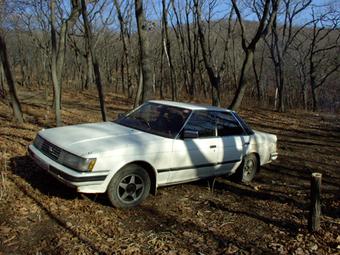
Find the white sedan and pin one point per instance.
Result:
(159, 143)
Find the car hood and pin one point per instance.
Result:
(93, 138)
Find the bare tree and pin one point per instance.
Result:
(124, 36)
(58, 51)
(324, 51)
(167, 49)
(34, 16)
(2, 83)
(315, 53)
(280, 41)
(178, 30)
(258, 73)
(214, 71)
(13, 98)
(299, 55)
(89, 44)
(145, 60)
(195, 50)
(266, 18)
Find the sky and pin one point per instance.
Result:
(154, 9)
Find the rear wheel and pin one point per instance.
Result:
(247, 170)
(129, 186)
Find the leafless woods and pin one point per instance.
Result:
(275, 53)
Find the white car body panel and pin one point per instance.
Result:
(264, 144)
(172, 160)
(189, 153)
(231, 151)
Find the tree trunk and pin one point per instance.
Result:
(13, 98)
(139, 89)
(89, 69)
(116, 75)
(281, 104)
(161, 82)
(58, 53)
(280, 86)
(55, 80)
(2, 83)
(100, 89)
(167, 50)
(95, 63)
(215, 90)
(145, 60)
(122, 75)
(312, 78)
(266, 20)
(25, 77)
(258, 75)
(257, 82)
(303, 87)
(305, 97)
(314, 100)
(214, 78)
(241, 88)
(192, 48)
(126, 58)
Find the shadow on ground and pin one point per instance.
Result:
(46, 184)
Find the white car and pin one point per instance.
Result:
(159, 143)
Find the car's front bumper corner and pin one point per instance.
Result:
(93, 182)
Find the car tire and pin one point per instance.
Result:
(129, 186)
(248, 168)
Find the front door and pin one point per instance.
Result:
(233, 142)
(194, 158)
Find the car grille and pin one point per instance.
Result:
(50, 150)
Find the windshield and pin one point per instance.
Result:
(159, 119)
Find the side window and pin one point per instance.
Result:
(245, 126)
(203, 122)
(227, 125)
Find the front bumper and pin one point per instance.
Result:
(83, 181)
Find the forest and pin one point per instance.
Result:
(283, 55)
(275, 62)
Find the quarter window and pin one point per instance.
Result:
(227, 125)
(203, 122)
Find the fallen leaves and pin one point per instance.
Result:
(4, 230)
(41, 216)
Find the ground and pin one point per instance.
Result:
(39, 215)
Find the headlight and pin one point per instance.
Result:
(38, 141)
(76, 162)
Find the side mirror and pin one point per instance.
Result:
(190, 134)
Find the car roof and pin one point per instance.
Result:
(190, 106)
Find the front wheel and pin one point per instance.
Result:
(129, 186)
(247, 170)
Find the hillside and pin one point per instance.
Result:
(40, 215)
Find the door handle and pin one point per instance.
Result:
(212, 146)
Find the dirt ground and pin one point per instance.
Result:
(39, 215)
